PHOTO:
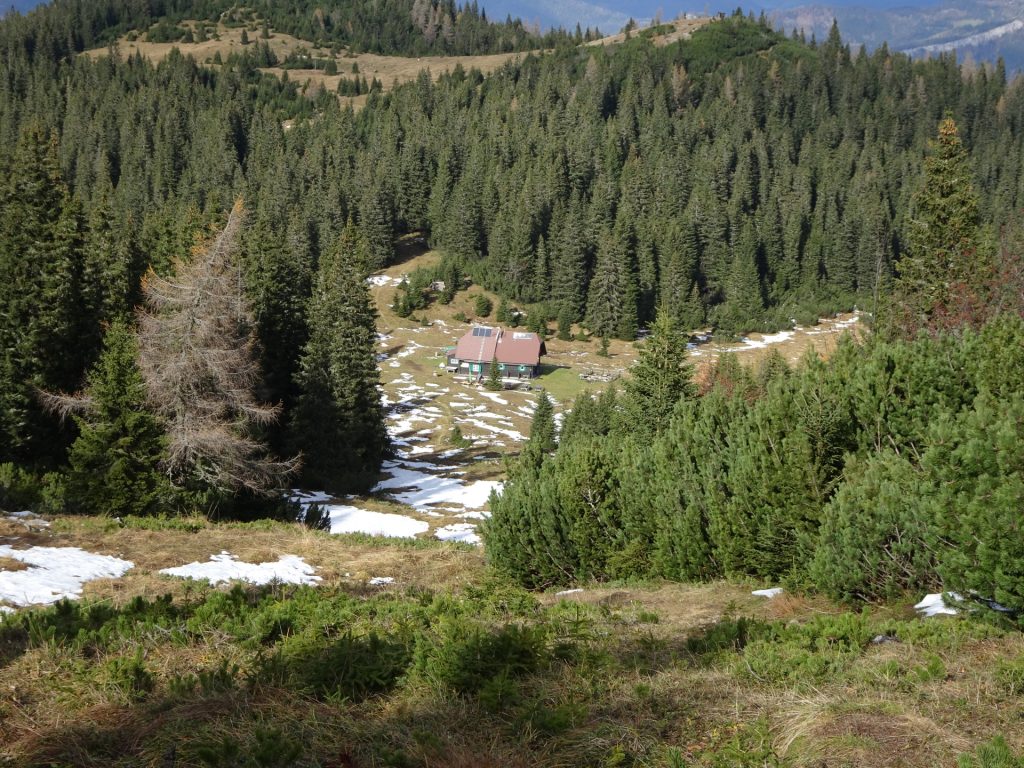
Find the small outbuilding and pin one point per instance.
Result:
(516, 353)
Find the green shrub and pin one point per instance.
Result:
(464, 656)
(726, 635)
(1010, 676)
(541, 717)
(129, 678)
(347, 667)
(483, 306)
(992, 754)
(18, 489)
(877, 538)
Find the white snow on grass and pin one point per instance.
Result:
(54, 573)
(223, 568)
(425, 490)
(305, 498)
(764, 341)
(934, 605)
(27, 519)
(496, 398)
(409, 348)
(345, 519)
(565, 592)
(461, 532)
(379, 581)
(382, 280)
(509, 433)
(769, 593)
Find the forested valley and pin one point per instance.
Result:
(189, 343)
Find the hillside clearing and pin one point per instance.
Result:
(388, 69)
(660, 33)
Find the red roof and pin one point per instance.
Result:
(482, 345)
(478, 345)
(518, 348)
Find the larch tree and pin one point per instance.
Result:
(198, 359)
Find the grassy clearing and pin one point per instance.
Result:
(660, 34)
(487, 675)
(347, 561)
(388, 69)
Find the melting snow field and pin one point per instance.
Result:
(345, 519)
(224, 567)
(54, 573)
(426, 490)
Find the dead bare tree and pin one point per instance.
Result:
(200, 369)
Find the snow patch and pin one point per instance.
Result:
(935, 605)
(764, 341)
(769, 593)
(54, 573)
(222, 568)
(345, 519)
(496, 398)
(461, 532)
(509, 433)
(568, 592)
(428, 490)
(28, 519)
(379, 581)
(409, 348)
(382, 280)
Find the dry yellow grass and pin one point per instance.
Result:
(338, 560)
(10, 564)
(678, 29)
(388, 69)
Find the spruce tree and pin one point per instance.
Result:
(493, 382)
(116, 460)
(45, 331)
(542, 440)
(942, 247)
(338, 420)
(659, 379)
(278, 280)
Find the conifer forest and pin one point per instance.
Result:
(219, 224)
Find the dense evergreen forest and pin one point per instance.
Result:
(403, 27)
(740, 179)
(893, 466)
